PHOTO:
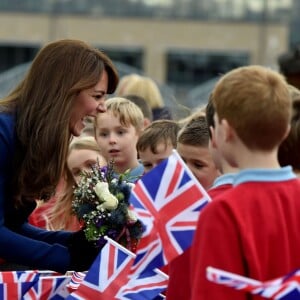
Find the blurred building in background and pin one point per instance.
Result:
(179, 43)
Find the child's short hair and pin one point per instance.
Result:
(142, 104)
(195, 132)
(288, 153)
(158, 131)
(127, 112)
(256, 103)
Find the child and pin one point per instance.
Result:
(84, 152)
(192, 145)
(117, 131)
(251, 229)
(157, 142)
(57, 213)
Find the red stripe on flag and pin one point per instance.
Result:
(112, 262)
(174, 181)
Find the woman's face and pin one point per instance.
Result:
(88, 103)
(81, 160)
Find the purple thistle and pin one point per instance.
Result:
(101, 242)
(104, 169)
(99, 222)
(112, 233)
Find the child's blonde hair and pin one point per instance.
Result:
(144, 87)
(256, 103)
(83, 143)
(127, 112)
(123, 82)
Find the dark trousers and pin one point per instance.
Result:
(13, 267)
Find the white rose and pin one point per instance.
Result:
(131, 216)
(110, 202)
(131, 185)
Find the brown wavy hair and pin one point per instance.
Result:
(42, 103)
(159, 131)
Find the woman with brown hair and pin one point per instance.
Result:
(68, 80)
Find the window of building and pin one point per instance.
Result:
(188, 68)
(132, 57)
(12, 55)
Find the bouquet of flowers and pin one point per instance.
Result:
(101, 204)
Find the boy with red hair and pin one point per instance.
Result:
(251, 229)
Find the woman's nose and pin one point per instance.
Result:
(101, 107)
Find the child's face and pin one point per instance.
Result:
(200, 162)
(81, 160)
(117, 142)
(151, 160)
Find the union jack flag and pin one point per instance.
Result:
(232, 280)
(107, 275)
(147, 285)
(168, 200)
(18, 276)
(49, 287)
(109, 278)
(283, 288)
(148, 258)
(14, 284)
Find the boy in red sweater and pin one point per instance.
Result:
(251, 229)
